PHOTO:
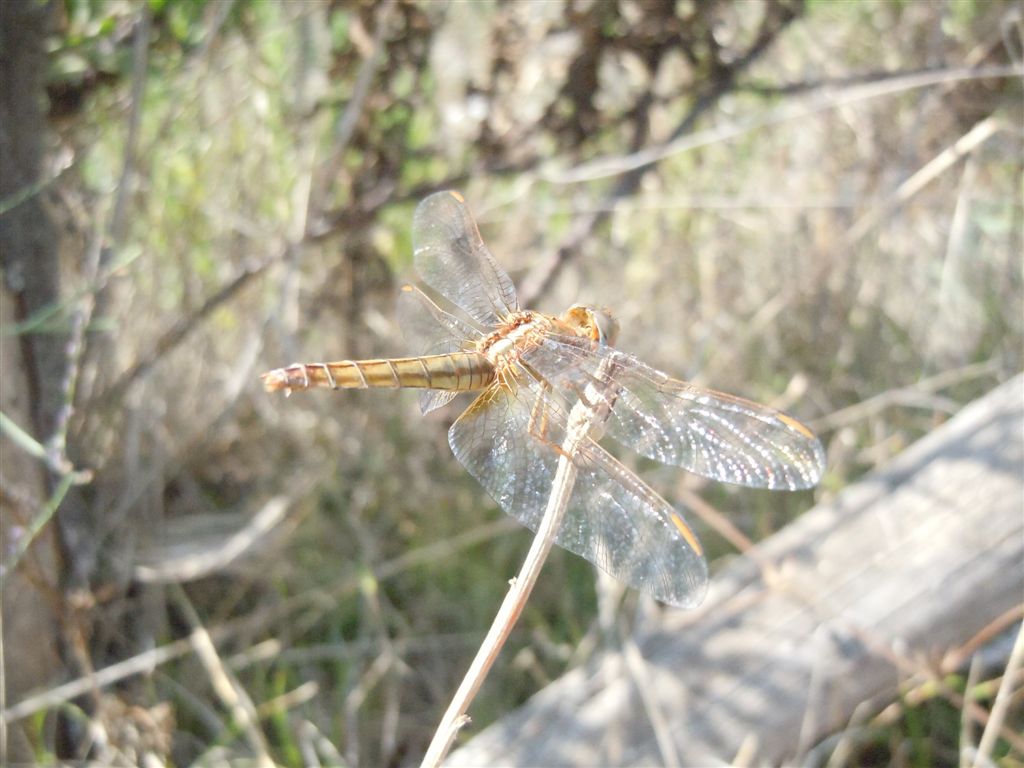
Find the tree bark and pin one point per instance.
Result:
(33, 365)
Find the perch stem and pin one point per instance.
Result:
(581, 421)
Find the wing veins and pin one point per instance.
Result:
(614, 519)
(678, 423)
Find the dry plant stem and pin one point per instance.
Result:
(966, 730)
(912, 393)
(980, 133)
(581, 419)
(957, 657)
(140, 57)
(842, 743)
(827, 100)
(37, 524)
(56, 445)
(660, 724)
(1002, 702)
(142, 663)
(455, 716)
(175, 568)
(3, 691)
(345, 127)
(179, 332)
(232, 695)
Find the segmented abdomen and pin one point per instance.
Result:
(459, 372)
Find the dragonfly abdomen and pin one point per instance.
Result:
(460, 372)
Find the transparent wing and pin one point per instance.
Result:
(613, 519)
(710, 433)
(452, 259)
(428, 328)
(432, 331)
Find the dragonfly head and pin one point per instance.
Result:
(596, 323)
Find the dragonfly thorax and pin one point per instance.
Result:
(518, 334)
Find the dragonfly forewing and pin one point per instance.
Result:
(452, 258)
(709, 433)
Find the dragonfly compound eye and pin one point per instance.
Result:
(596, 324)
(606, 324)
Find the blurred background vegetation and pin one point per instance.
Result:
(812, 204)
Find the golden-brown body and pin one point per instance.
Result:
(495, 356)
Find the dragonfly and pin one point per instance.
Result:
(531, 369)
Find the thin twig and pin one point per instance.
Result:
(57, 465)
(1002, 702)
(180, 331)
(721, 524)
(633, 167)
(823, 101)
(793, 88)
(933, 681)
(349, 117)
(839, 746)
(815, 703)
(36, 526)
(314, 744)
(230, 692)
(980, 133)
(292, 699)
(57, 444)
(382, 666)
(140, 72)
(912, 395)
(581, 420)
(966, 737)
(521, 587)
(187, 559)
(142, 663)
(956, 658)
(636, 665)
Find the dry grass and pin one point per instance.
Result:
(783, 257)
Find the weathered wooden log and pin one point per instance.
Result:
(912, 561)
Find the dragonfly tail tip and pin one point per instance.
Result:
(275, 381)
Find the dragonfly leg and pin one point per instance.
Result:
(539, 425)
(555, 447)
(508, 378)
